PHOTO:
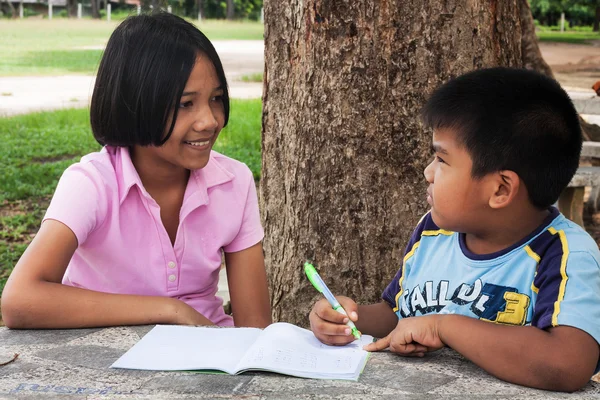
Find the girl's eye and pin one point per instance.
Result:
(185, 104)
(439, 159)
(216, 98)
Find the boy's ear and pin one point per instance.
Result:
(507, 185)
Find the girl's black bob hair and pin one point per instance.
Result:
(141, 77)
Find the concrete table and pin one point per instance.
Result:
(72, 364)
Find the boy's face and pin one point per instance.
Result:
(457, 200)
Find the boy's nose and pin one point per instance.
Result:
(428, 172)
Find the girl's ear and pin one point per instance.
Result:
(507, 185)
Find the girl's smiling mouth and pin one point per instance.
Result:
(201, 144)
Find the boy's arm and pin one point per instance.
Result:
(561, 358)
(377, 320)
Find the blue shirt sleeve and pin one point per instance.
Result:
(569, 294)
(395, 286)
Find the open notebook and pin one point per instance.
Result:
(281, 347)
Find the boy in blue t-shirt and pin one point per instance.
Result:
(493, 270)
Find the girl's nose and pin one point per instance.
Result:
(429, 172)
(205, 120)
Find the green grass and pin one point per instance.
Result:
(241, 138)
(257, 77)
(36, 148)
(70, 46)
(573, 37)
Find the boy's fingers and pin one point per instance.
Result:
(330, 329)
(350, 307)
(336, 340)
(327, 313)
(408, 349)
(381, 344)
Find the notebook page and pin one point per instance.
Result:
(295, 351)
(175, 347)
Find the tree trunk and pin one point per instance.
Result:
(230, 10)
(532, 56)
(72, 8)
(343, 150)
(95, 9)
(13, 11)
(201, 8)
(597, 19)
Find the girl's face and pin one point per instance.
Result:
(200, 119)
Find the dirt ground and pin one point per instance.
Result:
(574, 65)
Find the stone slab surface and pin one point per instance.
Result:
(73, 364)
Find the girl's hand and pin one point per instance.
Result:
(329, 326)
(413, 336)
(184, 314)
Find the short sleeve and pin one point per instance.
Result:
(390, 294)
(251, 231)
(79, 201)
(392, 290)
(569, 294)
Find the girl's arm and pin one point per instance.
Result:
(35, 298)
(248, 287)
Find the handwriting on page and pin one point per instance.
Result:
(283, 356)
(295, 359)
(308, 360)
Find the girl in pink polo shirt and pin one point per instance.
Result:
(135, 233)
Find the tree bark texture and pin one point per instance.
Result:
(343, 149)
(532, 56)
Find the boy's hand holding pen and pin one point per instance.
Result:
(332, 318)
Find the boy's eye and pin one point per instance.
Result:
(185, 104)
(440, 159)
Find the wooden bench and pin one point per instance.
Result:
(570, 202)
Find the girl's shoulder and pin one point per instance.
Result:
(101, 167)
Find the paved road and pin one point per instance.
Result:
(19, 95)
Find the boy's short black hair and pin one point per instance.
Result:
(512, 119)
(142, 75)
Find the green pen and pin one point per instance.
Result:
(317, 282)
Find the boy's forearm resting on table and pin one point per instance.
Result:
(377, 320)
(563, 358)
(53, 305)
